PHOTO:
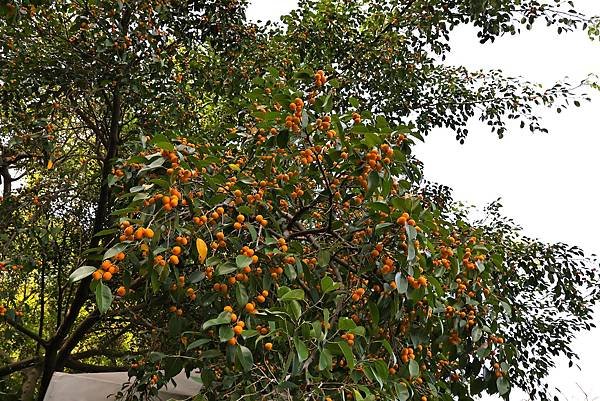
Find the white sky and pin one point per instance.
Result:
(548, 183)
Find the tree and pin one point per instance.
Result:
(227, 177)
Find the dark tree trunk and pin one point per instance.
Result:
(56, 354)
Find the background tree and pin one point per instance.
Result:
(93, 83)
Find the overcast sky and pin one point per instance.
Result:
(548, 183)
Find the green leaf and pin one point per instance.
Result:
(225, 268)
(325, 360)
(155, 164)
(346, 324)
(225, 333)
(81, 273)
(379, 207)
(242, 261)
(224, 317)
(244, 355)
(327, 285)
(112, 252)
(413, 368)
(371, 139)
(411, 252)
(241, 295)
(503, 385)
(372, 182)
(347, 351)
(328, 104)
(295, 309)
(483, 351)
(108, 231)
(104, 297)
(411, 233)
(388, 347)
(476, 333)
(297, 294)
(197, 276)
(198, 343)
(374, 311)
(252, 231)
(301, 349)
(401, 283)
(324, 257)
(402, 391)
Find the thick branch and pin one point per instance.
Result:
(24, 330)
(76, 336)
(89, 368)
(18, 366)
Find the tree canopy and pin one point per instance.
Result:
(184, 189)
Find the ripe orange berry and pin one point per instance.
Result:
(174, 259)
(121, 291)
(106, 276)
(232, 341)
(228, 309)
(97, 275)
(139, 233)
(149, 233)
(238, 330)
(268, 346)
(176, 250)
(249, 307)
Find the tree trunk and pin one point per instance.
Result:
(32, 376)
(55, 358)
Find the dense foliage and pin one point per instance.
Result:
(183, 189)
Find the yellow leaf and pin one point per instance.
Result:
(50, 164)
(202, 249)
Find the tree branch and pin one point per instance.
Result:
(25, 331)
(89, 368)
(18, 366)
